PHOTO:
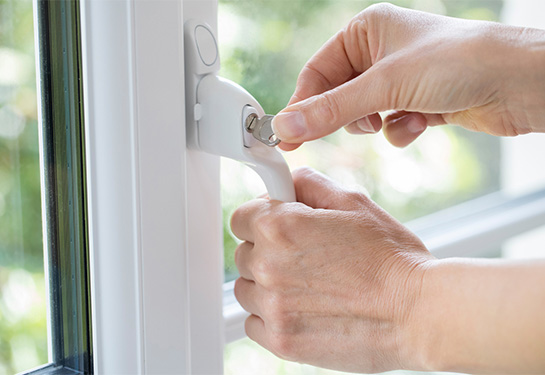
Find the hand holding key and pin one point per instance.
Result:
(431, 70)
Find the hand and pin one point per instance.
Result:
(431, 70)
(332, 280)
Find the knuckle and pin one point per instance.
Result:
(311, 72)
(358, 198)
(292, 226)
(243, 215)
(269, 226)
(274, 306)
(392, 92)
(330, 107)
(284, 232)
(280, 314)
(265, 272)
(285, 322)
(303, 172)
(379, 9)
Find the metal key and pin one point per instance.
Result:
(261, 129)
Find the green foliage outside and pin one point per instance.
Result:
(23, 330)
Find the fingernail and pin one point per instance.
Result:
(289, 125)
(365, 125)
(415, 126)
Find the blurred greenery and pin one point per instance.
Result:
(263, 46)
(23, 328)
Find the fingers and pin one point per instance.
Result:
(341, 58)
(367, 125)
(247, 295)
(289, 146)
(345, 56)
(318, 191)
(243, 255)
(401, 127)
(242, 221)
(255, 329)
(324, 113)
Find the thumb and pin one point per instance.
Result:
(323, 114)
(318, 191)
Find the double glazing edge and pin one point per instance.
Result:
(64, 195)
(52, 369)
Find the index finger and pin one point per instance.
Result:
(242, 221)
(340, 59)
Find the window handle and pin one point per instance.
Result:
(218, 111)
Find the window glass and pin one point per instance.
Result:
(264, 45)
(23, 322)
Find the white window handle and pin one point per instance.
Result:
(217, 110)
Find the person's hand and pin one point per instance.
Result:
(332, 280)
(429, 69)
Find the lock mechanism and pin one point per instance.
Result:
(261, 129)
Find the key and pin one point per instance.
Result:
(261, 129)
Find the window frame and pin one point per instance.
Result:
(155, 222)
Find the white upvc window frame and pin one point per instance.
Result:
(155, 211)
(154, 206)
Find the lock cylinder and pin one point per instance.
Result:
(261, 129)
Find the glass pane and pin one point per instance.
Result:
(23, 302)
(264, 45)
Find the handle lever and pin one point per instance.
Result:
(217, 112)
